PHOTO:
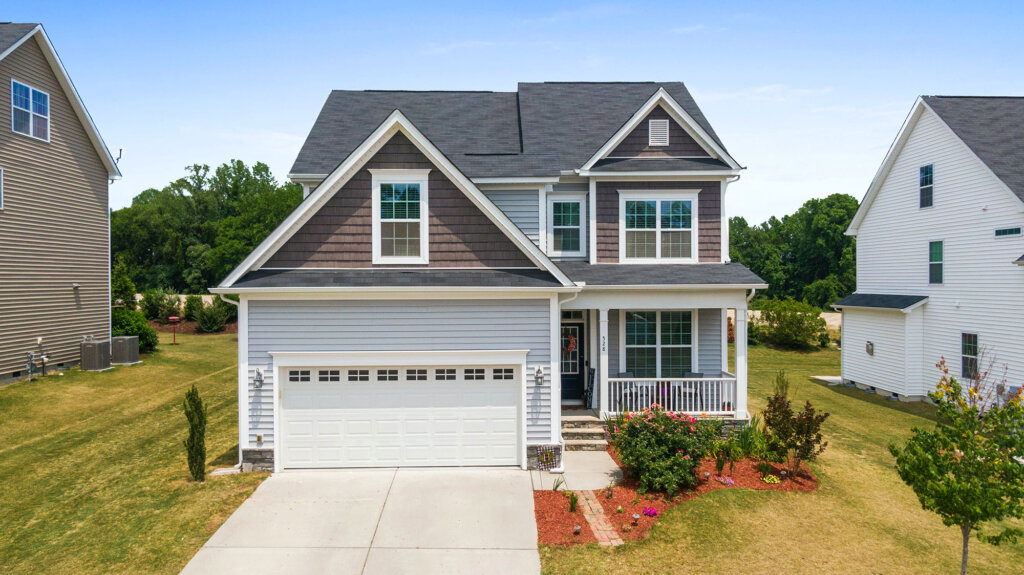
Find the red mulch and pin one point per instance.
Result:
(555, 523)
(190, 327)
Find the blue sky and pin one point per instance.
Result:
(807, 96)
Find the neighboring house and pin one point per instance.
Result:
(462, 258)
(54, 220)
(940, 250)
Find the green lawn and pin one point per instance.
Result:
(93, 476)
(863, 519)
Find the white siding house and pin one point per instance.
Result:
(931, 278)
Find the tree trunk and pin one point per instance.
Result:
(966, 530)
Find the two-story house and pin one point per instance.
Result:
(465, 264)
(54, 218)
(939, 252)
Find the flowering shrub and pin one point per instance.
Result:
(771, 479)
(727, 481)
(650, 512)
(662, 449)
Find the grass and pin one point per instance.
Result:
(863, 519)
(93, 475)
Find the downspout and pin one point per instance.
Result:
(753, 291)
(234, 303)
(561, 440)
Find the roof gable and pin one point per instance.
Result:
(681, 144)
(395, 123)
(13, 36)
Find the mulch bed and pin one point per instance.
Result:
(554, 523)
(190, 327)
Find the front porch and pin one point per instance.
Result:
(625, 359)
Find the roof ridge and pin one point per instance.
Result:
(966, 96)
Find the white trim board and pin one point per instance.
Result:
(395, 123)
(677, 113)
(75, 98)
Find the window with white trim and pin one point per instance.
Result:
(566, 221)
(503, 373)
(475, 373)
(935, 262)
(298, 375)
(445, 374)
(1000, 233)
(416, 375)
(387, 375)
(400, 216)
(30, 111)
(657, 133)
(329, 375)
(969, 355)
(659, 343)
(925, 195)
(359, 375)
(658, 227)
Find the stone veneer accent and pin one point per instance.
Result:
(261, 459)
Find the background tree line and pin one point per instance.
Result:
(805, 255)
(189, 235)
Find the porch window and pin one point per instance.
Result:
(658, 227)
(659, 343)
(566, 215)
(969, 355)
(400, 216)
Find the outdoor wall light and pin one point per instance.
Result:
(76, 285)
(257, 379)
(870, 348)
(538, 375)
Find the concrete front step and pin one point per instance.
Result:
(583, 432)
(569, 421)
(585, 445)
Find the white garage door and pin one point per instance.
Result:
(400, 416)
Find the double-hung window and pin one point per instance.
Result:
(400, 219)
(566, 217)
(969, 355)
(934, 262)
(658, 227)
(925, 186)
(658, 343)
(30, 111)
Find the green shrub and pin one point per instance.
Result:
(195, 443)
(130, 322)
(751, 440)
(122, 289)
(158, 305)
(755, 335)
(211, 319)
(791, 324)
(193, 304)
(792, 436)
(662, 449)
(824, 339)
(230, 310)
(573, 501)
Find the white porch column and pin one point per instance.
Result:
(725, 339)
(603, 366)
(741, 361)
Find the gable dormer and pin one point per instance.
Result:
(658, 135)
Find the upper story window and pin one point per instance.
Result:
(934, 262)
(566, 217)
(1008, 232)
(657, 132)
(925, 186)
(30, 111)
(969, 355)
(657, 227)
(400, 221)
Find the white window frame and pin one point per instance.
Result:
(658, 197)
(995, 233)
(941, 262)
(650, 132)
(693, 339)
(31, 113)
(420, 177)
(580, 199)
(976, 357)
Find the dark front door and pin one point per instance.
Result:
(572, 360)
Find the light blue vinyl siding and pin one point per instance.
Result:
(521, 206)
(333, 325)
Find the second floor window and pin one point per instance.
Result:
(30, 111)
(658, 228)
(925, 186)
(565, 228)
(935, 262)
(969, 355)
(399, 216)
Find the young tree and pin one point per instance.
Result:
(195, 443)
(122, 288)
(967, 468)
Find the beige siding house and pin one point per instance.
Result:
(54, 216)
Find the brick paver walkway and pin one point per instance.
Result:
(599, 523)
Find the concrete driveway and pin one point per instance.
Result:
(380, 521)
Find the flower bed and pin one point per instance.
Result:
(555, 523)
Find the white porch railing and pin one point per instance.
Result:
(710, 396)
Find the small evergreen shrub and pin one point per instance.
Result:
(230, 310)
(193, 304)
(130, 322)
(122, 289)
(791, 324)
(158, 305)
(211, 319)
(662, 449)
(195, 443)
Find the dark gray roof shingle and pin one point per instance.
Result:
(11, 32)
(398, 278)
(657, 164)
(540, 130)
(659, 274)
(993, 128)
(879, 300)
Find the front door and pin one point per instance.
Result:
(572, 360)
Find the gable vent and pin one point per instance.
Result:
(658, 133)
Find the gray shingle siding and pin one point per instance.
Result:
(333, 325)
